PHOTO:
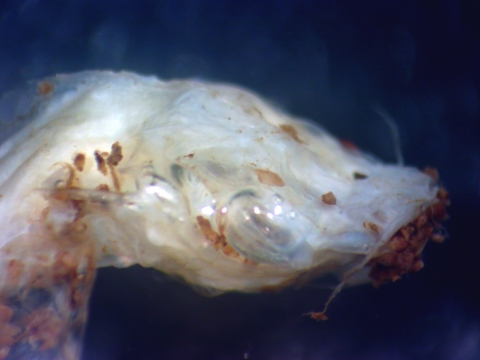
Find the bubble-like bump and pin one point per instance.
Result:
(263, 230)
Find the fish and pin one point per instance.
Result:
(206, 182)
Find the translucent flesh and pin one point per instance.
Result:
(205, 181)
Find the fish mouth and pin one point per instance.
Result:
(402, 253)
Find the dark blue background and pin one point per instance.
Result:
(327, 60)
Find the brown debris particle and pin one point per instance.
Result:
(230, 251)
(43, 326)
(402, 253)
(398, 244)
(317, 316)
(112, 160)
(268, 177)
(65, 266)
(78, 227)
(208, 232)
(388, 259)
(5, 313)
(102, 187)
(217, 240)
(45, 87)
(359, 176)
(115, 155)
(8, 332)
(8, 335)
(329, 198)
(78, 204)
(437, 237)
(101, 163)
(407, 231)
(40, 326)
(67, 269)
(14, 270)
(421, 220)
(432, 172)
(417, 265)
(79, 161)
(443, 195)
(292, 132)
(190, 155)
(347, 144)
(371, 226)
(250, 262)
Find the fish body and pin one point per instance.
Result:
(204, 181)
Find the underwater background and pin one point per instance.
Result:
(326, 60)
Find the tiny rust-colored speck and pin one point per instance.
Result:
(14, 270)
(102, 187)
(43, 326)
(421, 220)
(417, 265)
(329, 198)
(65, 266)
(101, 163)
(398, 244)
(79, 161)
(4, 350)
(318, 316)
(218, 241)
(190, 155)
(78, 204)
(250, 262)
(8, 335)
(438, 238)
(292, 132)
(371, 226)
(79, 227)
(387, 259)
(207, 231)
(230, 251)
(45, 87)
(347, 144)
(5, 313)
(116, 155)
(112, 160)
(268, 177)
(432, 172)
(407, 231)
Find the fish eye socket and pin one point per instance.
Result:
(263, 230)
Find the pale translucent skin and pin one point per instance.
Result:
(230, 133)
(190, 149)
